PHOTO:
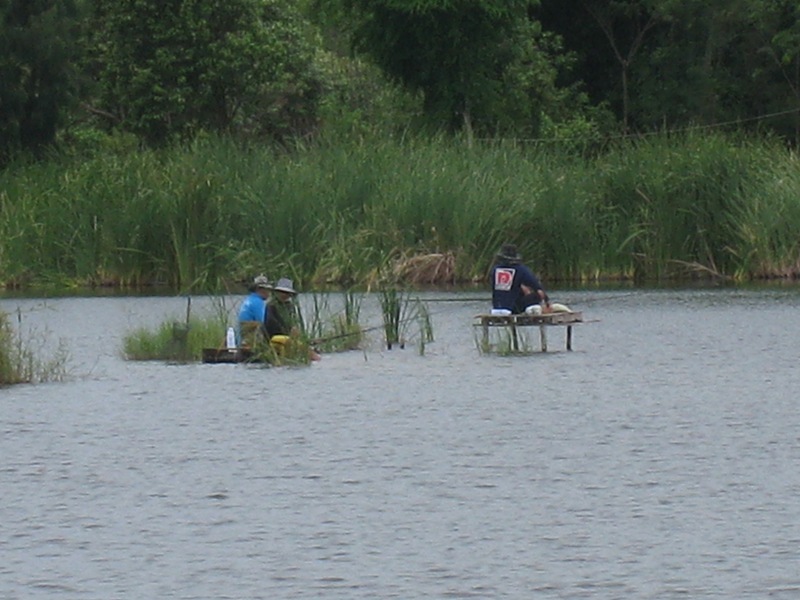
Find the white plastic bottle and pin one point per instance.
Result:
(230, 339)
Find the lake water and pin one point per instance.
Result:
(659, 459)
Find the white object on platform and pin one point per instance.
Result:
(500, 312)
(230, 339)
(534, 309)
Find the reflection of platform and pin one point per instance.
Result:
(223, 355)
(562, 319)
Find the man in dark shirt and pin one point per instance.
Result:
(283, 319)
(514, 286)
(282, 315)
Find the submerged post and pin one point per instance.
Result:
(514, 338)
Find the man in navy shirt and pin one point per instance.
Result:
(514, 286)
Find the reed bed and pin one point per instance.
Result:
(343, 212)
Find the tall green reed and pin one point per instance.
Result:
(335, 330)
(211, 213)
(766, 240)
(673, 203)
(399, 310)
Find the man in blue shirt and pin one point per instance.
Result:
(514, 286)
(253, 312)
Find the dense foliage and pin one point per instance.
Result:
(167, 70)
(674, 63)
(458, 55)
(283, 69)
(38, 78)
(197, 140)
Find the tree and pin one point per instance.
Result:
(625, 24)
(456, 54)
(777, 26)
(682, 63)
(37, 78)
(168, 68)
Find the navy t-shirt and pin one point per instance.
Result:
(506, 281)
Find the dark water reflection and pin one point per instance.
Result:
(661, 459)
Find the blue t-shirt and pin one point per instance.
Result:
(254, 308)
(506, 281)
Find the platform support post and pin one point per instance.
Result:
(514, 338)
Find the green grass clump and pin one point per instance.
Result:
(174, 340)
(21, 363)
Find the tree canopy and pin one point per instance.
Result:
(166, 70)
(38, 81)
(455, 53)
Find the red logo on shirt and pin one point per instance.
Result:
(503, 278)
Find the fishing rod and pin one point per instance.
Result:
(488, 300)
(330, 338)
(363, 330)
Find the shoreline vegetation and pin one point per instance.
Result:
(207, 216)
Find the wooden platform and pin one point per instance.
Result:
(512, 322)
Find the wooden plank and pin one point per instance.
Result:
(561, 318)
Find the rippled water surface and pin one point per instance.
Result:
(660, 459)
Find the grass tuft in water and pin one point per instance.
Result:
(21, 362)
(174, 340)
(399, 310)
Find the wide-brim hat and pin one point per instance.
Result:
(508, 252)
(284, 285)
(261, 283)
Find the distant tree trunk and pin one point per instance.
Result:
(468, 126)
(606, 18)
